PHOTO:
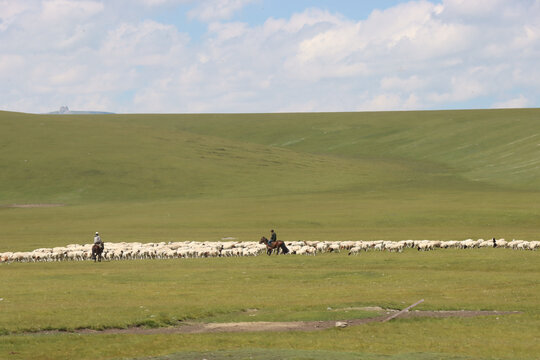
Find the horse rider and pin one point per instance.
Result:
(273, 237)
(97, 240)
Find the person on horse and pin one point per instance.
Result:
(273, 237)
(97, 240)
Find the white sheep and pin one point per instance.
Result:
(355, 250)
(395, 247)
(334, 247)
(191, 249)
(307, 250)
(322, 247)
(378, 247)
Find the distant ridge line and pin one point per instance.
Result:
(81, 113)
(64, 110)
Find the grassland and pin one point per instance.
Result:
(336, 176)
(158, 293)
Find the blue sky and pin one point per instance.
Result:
(257, 12)
(187, 56)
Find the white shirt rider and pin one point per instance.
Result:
(97, 239)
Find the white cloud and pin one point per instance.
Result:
(157, 2)
(147, 43)
(10, 11)
(212, 10)
(10, 64)
(518, 102)
(415, 55)
(390, 101)
(71, 75)
(459, 89)
(228, 31)
(310, 18)
(58, 10)
(154, 3)
(409, 84)
(466, 9)
(336, 43)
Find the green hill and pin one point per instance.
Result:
(99, 159)
(492, 146)
(445, 174)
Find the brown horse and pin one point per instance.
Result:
(276, 245)
(97, 250)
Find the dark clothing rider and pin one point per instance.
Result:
(273, 237)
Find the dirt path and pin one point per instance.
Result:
(31, 205)
(197, 328)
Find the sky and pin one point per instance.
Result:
(258, 56)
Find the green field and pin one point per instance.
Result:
(446, 175)
(328, 176)
(163, 292)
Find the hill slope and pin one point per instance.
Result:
(441, 174)
(493, 146)
(95, 159)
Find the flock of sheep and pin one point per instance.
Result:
(189, 249)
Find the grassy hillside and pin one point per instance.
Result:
(86, 159)
(436, 174)
(491, 146)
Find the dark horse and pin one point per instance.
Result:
(97, 250)
(276, 245)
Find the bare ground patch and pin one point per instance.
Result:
(198, 328)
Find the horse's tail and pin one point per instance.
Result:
(284, 248)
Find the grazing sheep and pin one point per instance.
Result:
(425, 246)
(322, 247)
(467, 244)
(20, 257)
(334, 247)
(501, 243)
(346, 245)
(514, 243)
(5, 257)
(378, 247)
(395, 247)
(191, 249)
(485, 244)
(307, 250)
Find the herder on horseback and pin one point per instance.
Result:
(274, 243)
(273, 237)
(97, 248)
